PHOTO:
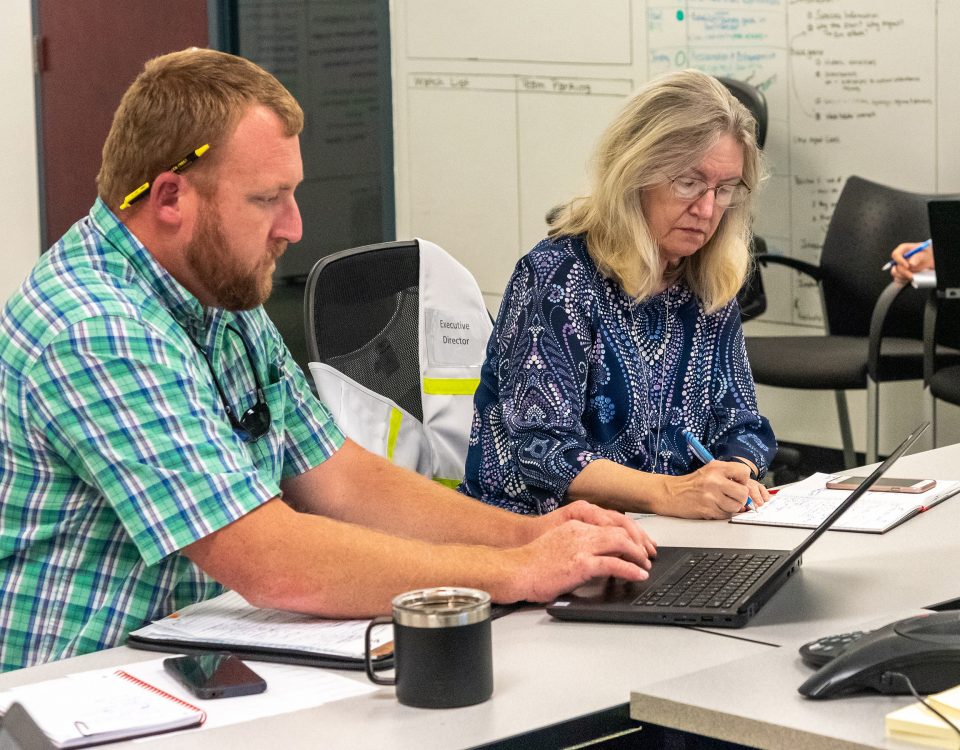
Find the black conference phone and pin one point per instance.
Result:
(925, 648)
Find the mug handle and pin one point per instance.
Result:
(368, 657)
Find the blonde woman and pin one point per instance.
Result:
(620, 331)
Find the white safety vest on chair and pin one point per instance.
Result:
(453, 329)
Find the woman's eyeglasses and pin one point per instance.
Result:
(254, 423)
(690, 189)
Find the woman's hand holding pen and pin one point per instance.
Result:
(754, 488)
(907, 261)
(759, 494)
(717, 490)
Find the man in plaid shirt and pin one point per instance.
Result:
(157, 441)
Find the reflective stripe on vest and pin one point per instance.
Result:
(451, 483)
(396, 417)
(450, 386)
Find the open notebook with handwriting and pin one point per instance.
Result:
(96, 707)
(806, 503)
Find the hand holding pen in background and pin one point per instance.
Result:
(706, 457)
(906, 255)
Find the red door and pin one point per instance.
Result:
(88, 53)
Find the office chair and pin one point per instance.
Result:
(752, 298)
(753, 99)
(396, 335)
(941, 331)
(874, 327)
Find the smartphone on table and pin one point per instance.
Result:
(883, 484)
(214, 675)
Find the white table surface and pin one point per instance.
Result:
(754, 701)
(848, 581)
(547, 671)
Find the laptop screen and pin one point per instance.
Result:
(945, 233)
(856, 494)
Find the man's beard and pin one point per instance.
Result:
(208, 255)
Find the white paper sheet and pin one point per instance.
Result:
(230, 620)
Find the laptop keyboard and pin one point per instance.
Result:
(714, 580)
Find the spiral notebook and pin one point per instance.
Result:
(96, 707)
(806, 503)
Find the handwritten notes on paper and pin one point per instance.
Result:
(806, 504)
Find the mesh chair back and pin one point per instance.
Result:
(754, 100)
(751, 297)
(362, 317)
(869, 220)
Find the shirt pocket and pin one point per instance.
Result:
(267, 452)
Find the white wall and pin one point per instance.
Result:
(19, 196)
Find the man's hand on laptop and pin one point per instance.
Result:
(580, 510)
(581, 541)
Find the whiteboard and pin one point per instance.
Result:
(498, 103)
(328, 54)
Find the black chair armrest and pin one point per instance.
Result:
(929, 338)
(877, 320)
(803, 267)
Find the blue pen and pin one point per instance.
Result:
(704, 455)
(909, 254)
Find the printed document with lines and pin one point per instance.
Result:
(807, 503)
(230, 622)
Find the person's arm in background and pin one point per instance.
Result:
(717, 490)
(540, 351)
(724, 405)
(904, 268)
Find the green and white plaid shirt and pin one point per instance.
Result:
(115, 449)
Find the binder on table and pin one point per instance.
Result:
(229, 623)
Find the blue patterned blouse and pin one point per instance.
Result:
(576, 371)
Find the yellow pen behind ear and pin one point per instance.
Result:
(185, 162)
(132, 197)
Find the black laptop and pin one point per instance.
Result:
(709, 586)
